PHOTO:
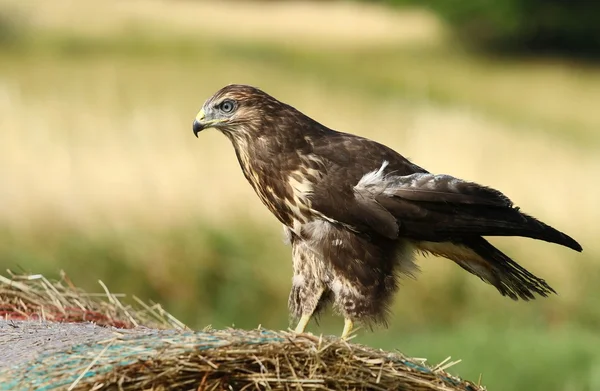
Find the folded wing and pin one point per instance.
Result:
(443, 208)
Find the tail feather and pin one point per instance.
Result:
(515, 223)
(481, 258)
(461, 221)
(513, 280)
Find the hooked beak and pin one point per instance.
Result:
(199, 123)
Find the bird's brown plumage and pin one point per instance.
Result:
(355, 211)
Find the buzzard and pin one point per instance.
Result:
(356, 211)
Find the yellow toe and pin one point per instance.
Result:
(302, 324)
(348, 325)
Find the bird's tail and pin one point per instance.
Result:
(481, 258)
(533, 228)
(490, 221)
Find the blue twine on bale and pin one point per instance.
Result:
(424, 369)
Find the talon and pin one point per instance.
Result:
(302, 324)
(348, 325)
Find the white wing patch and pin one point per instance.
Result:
(422, 181)
(377, 182)
(373, 178)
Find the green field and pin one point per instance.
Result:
(100, 174)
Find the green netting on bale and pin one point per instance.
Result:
(225, 360)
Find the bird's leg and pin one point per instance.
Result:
(302, 324)
(348, 325)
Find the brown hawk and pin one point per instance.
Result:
(355, 211)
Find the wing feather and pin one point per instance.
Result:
(372, 189)
(428, 187)
(441, 207)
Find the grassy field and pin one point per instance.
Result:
(101, 176)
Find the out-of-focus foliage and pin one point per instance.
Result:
(12, 26)
(570, 27)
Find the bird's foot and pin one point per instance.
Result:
(302, 324)
(348, 325)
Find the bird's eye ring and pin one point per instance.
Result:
(227, 106)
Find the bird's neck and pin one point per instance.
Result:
(267, 164)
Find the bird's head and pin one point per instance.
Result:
(238, 110)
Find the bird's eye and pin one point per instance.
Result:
(227, 106)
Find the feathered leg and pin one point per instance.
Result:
(309, 293)
(365, 278)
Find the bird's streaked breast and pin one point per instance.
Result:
(283, 182)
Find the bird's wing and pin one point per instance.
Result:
(379, 191)
(441, 207)
(344, 159)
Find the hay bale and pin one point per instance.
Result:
(33, 297)
(45, 355)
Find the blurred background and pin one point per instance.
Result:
(100, 175)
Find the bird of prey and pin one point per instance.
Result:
(356, 211)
